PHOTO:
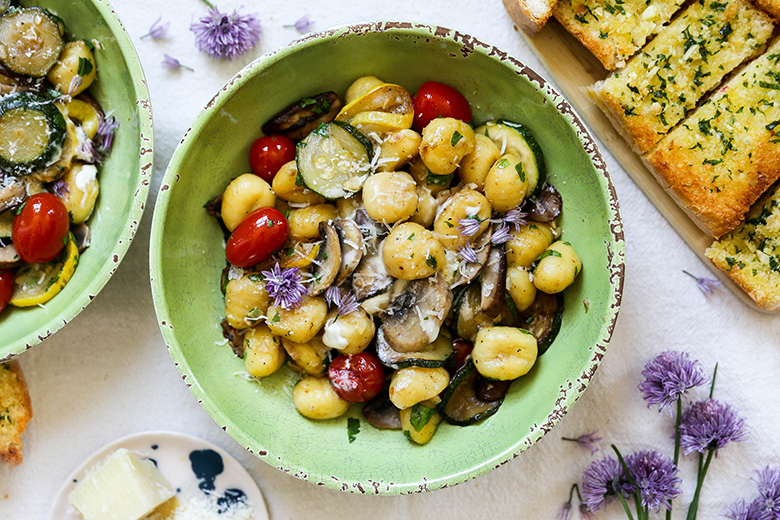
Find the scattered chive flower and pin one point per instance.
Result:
(158, 29)
(284, 286)
(668, 376)
(516, 218)
(585, 514)
(587, 441)
(59, 188)
(766, 505)
(302, 25)
(346, 303)
(75, 83)
(502, 235)
(469, 226)
(565, 512)
(169, 62)
(104, 139)
(602, 481)
(656, 478)
(705, 285)
(224, 35)
(468, 254)
(710, 425)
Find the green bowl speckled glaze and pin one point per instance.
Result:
(187, 257)
(124, 177)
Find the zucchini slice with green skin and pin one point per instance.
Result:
(460, 405)
(543, 318)
(25, 55)
(36, 284)
(433, 356)
(517, 139)
(32, 131)
(334, 160)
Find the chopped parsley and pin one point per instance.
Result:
(455, 138)
(421, 415)
(353, 428)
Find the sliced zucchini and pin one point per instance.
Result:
(334, 160)
(32, 132)
(30, 41)
(433, 356)
(517, 139)
(467, 316)
(543, 318)
(36, 284)
(460, 403)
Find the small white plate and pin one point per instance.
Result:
(171, 451)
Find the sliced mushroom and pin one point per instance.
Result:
(545, 206)
(351, 242)
(303, 116)
(12, 193)
(415, 317)
(372, 231)
(381, 413)
(234, 337)
(328, 260)
(371, 278)
(543, 319)
(83, 236)
(214, 206)
(493, 282)
(490, 391)
(378, 304)
(9, 258)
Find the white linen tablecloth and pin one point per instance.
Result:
(108, 373)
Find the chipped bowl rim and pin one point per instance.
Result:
(614, 242)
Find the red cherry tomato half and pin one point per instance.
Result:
(357, 378)
(40, 229)
(257, 236)
(6, 287)
(270, 153)
(435, 99)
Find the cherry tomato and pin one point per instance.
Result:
(435, 99)
(257, 236)
(461, 349)
(40, 229)
(6, 287)
(269, 153)
(357, 378)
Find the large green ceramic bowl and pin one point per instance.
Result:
(124, 177)
(187, 257)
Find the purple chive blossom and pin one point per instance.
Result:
(59, 188)
(346, 303)
(565, 512)
(668, 376)
(516, 218)
(766, 505)
(468, 254)
(104, 139)
(226, 35)
(169, 62)
(587, 441)
(302, 25)
(710, 425)
(602, 481)
(469, 226)
(656, 478)
(502, 235)
(158, 29)
(705, 285)
(284, 286)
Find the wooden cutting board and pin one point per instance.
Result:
(573, 68)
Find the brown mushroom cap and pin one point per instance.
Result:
(328, 260)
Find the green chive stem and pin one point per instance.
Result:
(714, 375)
(693, 508)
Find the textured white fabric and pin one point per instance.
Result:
(108, 373)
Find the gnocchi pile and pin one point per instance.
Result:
(394, 255)
(53, 136)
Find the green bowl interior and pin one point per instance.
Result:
(188, 255)
(124, 177)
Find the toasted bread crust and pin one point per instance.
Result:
(524, 17)
(770, 6)
(15, 411)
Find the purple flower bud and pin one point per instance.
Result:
(656, 478)
(602, 481)
(169, 62)
(469, 226)
(104, 139)
(226, 35)
(587, 441)
(284, 286)
(705, 285)
(668, 376)
(502, 235)
(468, 254)
(304, 25)
(710, 425)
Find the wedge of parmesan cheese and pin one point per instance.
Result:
(123, 487)
(673, 72)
